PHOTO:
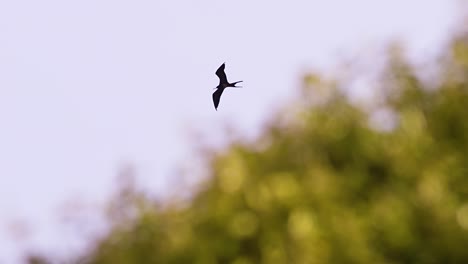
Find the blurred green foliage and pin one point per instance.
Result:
(323, 185)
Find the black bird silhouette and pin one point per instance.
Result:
(223, 84)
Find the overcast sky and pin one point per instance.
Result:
(89, 85)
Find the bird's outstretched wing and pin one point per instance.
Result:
(217, 97)
(221, 74)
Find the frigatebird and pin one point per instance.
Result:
(223, 84)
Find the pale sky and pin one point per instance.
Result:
(89, 85)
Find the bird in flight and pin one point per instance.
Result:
(223, 84)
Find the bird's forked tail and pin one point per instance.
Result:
(234, 84)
